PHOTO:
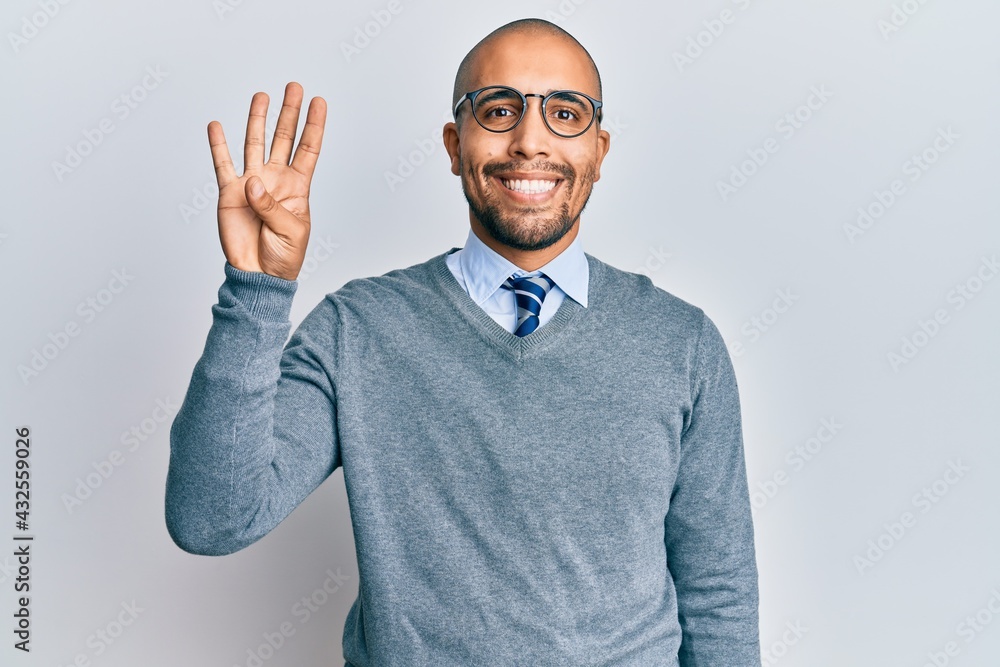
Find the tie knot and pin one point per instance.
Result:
(535, 282)
(529, 293)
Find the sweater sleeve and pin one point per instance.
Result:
(256, 432)
(708, 527)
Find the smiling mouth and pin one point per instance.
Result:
(529, 187)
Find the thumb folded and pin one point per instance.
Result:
(270, 211)
(256, 187)
(260, 200)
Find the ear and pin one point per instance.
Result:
(603, 146)
(450, 136)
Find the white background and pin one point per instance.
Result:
(132, 204)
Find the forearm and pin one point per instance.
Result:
(708, 528)
(241, 456)
(717, 597)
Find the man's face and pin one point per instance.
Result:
(527, 187)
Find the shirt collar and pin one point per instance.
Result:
(485, 270)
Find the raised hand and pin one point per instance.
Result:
(264, 214)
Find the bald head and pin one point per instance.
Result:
(522, 28)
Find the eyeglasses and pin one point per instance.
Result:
(566, 113)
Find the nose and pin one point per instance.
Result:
(531, 138)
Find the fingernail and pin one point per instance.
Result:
(257, 189)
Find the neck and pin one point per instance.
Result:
(529, 260)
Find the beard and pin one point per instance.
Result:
(524, 230)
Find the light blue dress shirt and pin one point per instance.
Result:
(481, 270)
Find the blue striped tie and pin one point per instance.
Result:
(529, 292)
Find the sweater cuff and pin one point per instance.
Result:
(267, 298)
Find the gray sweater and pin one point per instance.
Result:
(574, 497)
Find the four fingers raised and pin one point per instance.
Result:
(306, 154)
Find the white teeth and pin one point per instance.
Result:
(528, 187)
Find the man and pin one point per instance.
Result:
(542, 453)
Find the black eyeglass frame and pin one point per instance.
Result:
(471, 96)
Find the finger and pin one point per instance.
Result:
(225, 172)
(288, 121)
(253, 146)
(281, 221)
(307, 151)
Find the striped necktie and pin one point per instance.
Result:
(529, 292)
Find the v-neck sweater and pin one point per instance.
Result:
(576, 496)
(482, 272)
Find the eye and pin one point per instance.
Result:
(498, 112)
(569, 110)
(498, 108)
(565, 114)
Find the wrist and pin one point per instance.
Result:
(266, 297)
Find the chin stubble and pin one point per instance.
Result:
(508, 231)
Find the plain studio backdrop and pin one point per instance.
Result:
(819, 177)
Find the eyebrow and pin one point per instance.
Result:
(499, 94)
(566, 96)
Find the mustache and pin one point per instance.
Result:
(500, 167)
